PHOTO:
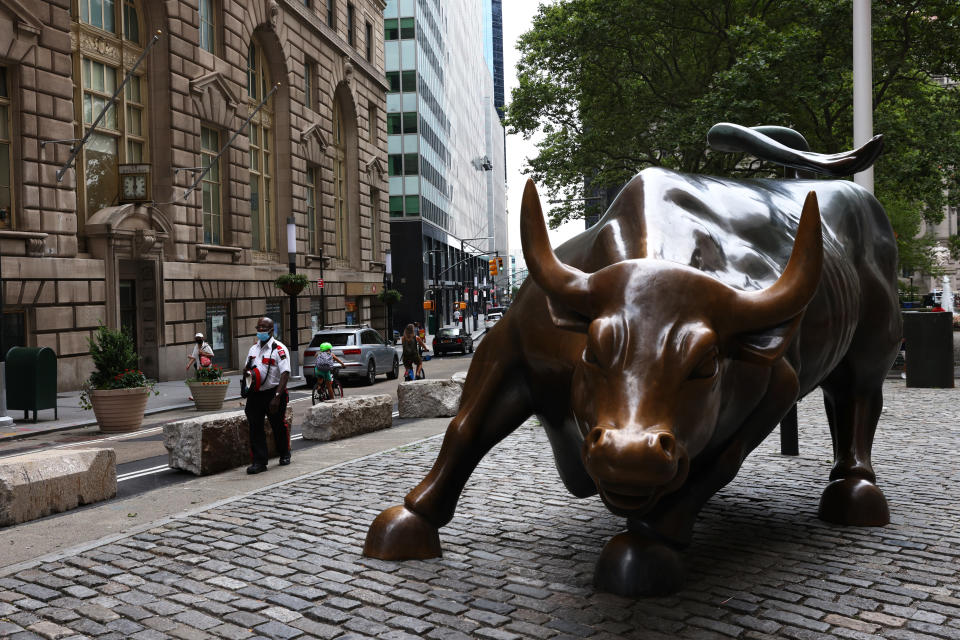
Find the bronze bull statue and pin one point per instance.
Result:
(662, 345)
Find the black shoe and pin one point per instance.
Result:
(284, 460)
(256, 468)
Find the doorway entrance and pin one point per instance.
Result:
(137, 303)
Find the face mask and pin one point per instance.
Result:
(263, 336)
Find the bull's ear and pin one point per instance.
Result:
(764, 347)
(567, 319)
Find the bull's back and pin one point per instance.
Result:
(742, 234)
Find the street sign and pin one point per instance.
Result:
(428, 305)
(320, 283)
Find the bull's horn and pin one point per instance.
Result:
(795, 287)
(562, 283)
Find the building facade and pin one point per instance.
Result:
(441, 124)
(166, 213)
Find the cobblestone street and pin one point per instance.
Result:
(285, 562)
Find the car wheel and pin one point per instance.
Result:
(371, 372)
(395, 371)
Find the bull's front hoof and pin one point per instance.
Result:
(854, 502)
(401, 534)
(632, 565)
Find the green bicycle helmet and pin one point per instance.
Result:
(326, 346)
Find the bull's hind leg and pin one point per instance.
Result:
(495, 401)
(852, 497)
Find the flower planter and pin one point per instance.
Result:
(119, 410)
(291, 289)
(208, 395)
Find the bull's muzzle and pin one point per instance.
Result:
(634, 466)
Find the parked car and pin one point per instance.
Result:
(452, 339)
(491, 319)
(363, 350)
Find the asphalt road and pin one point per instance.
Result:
(142, 458)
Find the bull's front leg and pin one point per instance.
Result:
(645, 559)
(495, 401)
(852, 497)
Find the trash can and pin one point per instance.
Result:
(32, 380)
(929, 349)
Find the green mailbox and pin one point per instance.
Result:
(32, 380)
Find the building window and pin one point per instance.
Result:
(368, 41)
(207, 26)
(409, 81)
(314, 225)
(331, 15)
(374, 224)
(309, 73)
(391, 29)
(212, 192)
(396, 206)
(121, 135)
(411, 164)
(402, 122)
(372, 118)
(351, 38)
(6, 151)
(395, 164)
(261, 152)
(339, 182)
(406, 29)
(393, 81)
(218, 333)
(412, 205)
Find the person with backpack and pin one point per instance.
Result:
(323, 367)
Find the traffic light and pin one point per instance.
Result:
(499, 264)
(493, 267)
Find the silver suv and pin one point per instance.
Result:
(364, 352)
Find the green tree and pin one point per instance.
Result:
(614, 86)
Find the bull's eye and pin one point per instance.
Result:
(708, 367)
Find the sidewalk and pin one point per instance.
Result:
(285, 561)
(172, 395)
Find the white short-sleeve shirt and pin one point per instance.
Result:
(204, 349)
(272, 355)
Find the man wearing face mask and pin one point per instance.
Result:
(268, 362)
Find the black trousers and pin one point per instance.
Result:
(258, 408)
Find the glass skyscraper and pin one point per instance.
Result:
(445, 156)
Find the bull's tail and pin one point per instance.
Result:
(788, 148)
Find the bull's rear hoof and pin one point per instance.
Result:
(631, 565)
(401, 534)
(854, 502)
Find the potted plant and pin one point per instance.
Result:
(117, 390)
(208, 388)
(390, 296)
(291, 283)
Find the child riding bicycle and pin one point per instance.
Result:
(323, 367)
(412, 343)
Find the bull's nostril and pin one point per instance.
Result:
(595, 436)
(667, 443)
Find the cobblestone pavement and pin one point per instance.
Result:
(285, 562)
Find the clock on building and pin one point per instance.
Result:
(134, 182)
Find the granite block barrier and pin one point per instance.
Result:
(346, 417)
(38, 484)
(213, 443)
(429, 398)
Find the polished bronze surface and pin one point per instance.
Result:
(661, 346)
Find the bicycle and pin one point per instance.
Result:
(408, 374)
(320, 387)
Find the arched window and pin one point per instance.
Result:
(121, 135)
(262, 197)
(340, 204)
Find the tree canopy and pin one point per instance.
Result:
(614, 86)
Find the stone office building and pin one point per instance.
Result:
(116, 238)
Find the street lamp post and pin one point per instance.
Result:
(294, 331)
(470, 304)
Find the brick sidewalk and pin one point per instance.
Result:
(285, 562)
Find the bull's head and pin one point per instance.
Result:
(647, 391)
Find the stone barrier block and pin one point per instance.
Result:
(38, 484)
(429, 398)
(213, 443)
(346, 417)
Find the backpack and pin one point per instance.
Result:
(325, 361)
